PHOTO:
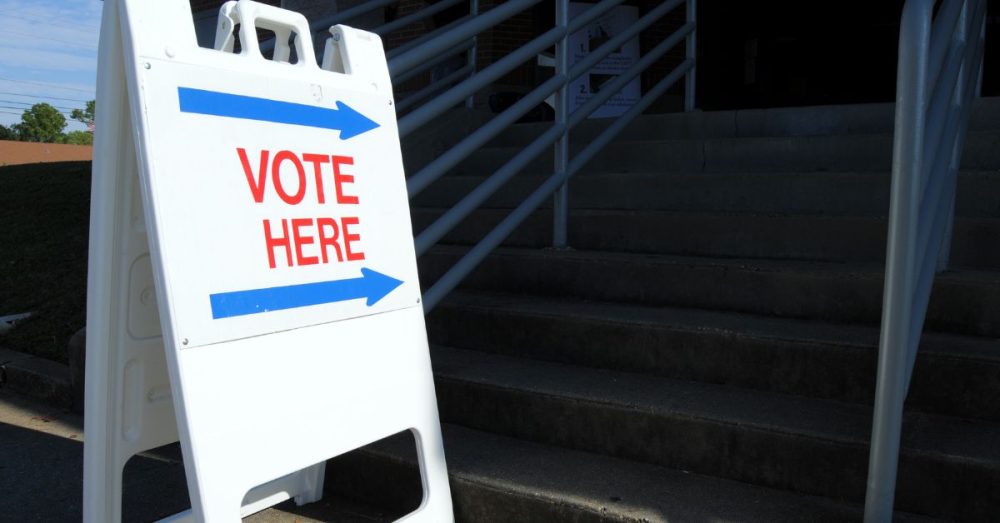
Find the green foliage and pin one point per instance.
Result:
(85, 115)
(41, 123)
(6, 133)
(77, 138)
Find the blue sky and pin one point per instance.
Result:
(48, 54)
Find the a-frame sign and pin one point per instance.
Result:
(252, 287)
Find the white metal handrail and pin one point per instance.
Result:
(442, 96)
(940, 57)
(459, 84)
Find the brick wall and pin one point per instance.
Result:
(406, 34)
(520, 29)
(652, 36)
(497, 42)
(508, 36)
(401, 9)
(201, 5)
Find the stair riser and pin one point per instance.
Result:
(765, 457)
(799, 121)
(791, 121)
(776, 193)
(963, 306)
(803, 368)
(842, 239)
(393, 485)
(778, 154)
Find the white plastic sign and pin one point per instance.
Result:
(253, 288)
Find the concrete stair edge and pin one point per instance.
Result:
(805, 445)
(841, 238)
(790, 356)
(963, 301)
(496, 478)
(779, 121)
(855, 193)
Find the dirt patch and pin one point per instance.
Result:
(17, 153)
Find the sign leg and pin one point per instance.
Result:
(312, 484)
(102, 478)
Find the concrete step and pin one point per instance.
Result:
(439, 135)
(500, 479)
(331, 509)
(858, 193)
(963, 301)
(782, 121)
(954, 375)
(948, 467)
(809, 237)
(767, 154)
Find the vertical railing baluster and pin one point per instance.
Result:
(421, 55)
(560, 207)
(690, 52)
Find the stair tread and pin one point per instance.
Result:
(768, 154)
(330, 508)
(856, 270)
(817, 120)
(851, 137)
(834, 191)
(878, 219)
(864, 337)
(611, 488)
(837, 422)
(716, 175)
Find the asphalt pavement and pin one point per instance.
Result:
(41, 474)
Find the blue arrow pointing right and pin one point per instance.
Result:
(344, 118)
(372, 286)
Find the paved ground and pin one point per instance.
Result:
(41, 471)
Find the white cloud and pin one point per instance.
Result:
(49, 35)
(46, 60)
(74, 21)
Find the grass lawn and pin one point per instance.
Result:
(44, 221)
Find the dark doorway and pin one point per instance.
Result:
(779, 53)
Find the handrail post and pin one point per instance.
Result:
(471, 53)
(690, 52)
(560, 207)
(901, 266)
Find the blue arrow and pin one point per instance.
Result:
(345, 119)
(372, 285)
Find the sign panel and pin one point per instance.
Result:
(291, 215)
(253, 288)
(582, 42)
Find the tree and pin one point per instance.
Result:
(41, 123)
(78, 138)
(86, 115)
(6, 133)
